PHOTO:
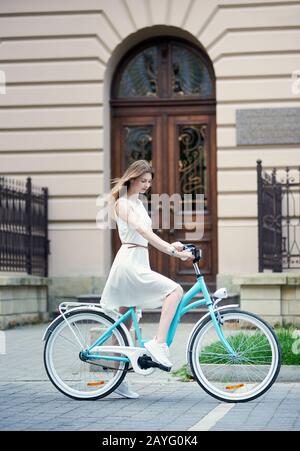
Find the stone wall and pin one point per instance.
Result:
(275, 297)
(23, 300)
(59, 58)
(67, 289)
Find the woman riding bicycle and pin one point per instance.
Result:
(131, 281)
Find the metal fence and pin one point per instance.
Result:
(278, 218)
(24, 244)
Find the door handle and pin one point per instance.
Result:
(172, 231)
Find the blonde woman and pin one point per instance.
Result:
(131, 282)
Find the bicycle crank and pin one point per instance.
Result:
(145, 362)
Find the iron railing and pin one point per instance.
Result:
(278, 218)
(24, 244)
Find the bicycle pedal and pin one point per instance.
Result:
(164, 368)
(145, 361)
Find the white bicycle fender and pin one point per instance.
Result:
(93, 307)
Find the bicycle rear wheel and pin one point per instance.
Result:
(243, 376)
(70, 374)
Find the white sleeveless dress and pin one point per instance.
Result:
(131, 281)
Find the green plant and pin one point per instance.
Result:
(286, 336)
(183, 374)
(287, 340)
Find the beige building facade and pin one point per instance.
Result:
(59, 58)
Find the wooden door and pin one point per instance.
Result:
(192, 170)
(163, 109)
(181, 148)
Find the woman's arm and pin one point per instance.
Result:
(125, 211)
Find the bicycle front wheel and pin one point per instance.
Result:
(240, 376)
(74, 376)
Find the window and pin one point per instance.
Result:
(164, 70)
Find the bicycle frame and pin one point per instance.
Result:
(184, 306)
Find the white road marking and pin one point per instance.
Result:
(212, 417)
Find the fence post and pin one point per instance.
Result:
(2, 248)
(29, 225)
(46, 241)
(276, 186)
(259, 215)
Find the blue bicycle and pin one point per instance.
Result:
(233, 355)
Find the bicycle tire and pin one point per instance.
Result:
(198, 374)
(59, 384)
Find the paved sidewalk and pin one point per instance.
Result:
(28, 401)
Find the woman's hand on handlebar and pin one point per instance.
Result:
(178, 245)
(185, 255)
(181, 253)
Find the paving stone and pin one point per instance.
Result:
(28, 401)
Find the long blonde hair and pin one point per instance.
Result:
(122, 184)
(135, 170)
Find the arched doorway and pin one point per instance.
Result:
(163, 109)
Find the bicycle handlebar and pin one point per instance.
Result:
(197, 253)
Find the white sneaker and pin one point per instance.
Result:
(124, 390)
(159, 352)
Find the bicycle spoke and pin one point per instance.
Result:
(65, 360)
(248, 371)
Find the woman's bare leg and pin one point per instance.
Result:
(167, 313)
(128, 322)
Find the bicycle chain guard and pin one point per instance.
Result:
(132, 353)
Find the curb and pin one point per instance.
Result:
(289, 373)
